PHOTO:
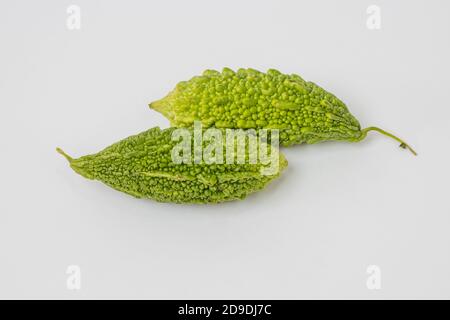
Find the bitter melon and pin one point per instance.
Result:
(142, 166)
(301, 110)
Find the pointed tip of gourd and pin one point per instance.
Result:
(65, 155)
(75, 165)
(161, 107)
(155, 105)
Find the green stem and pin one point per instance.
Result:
(403, 144)
(69, 158)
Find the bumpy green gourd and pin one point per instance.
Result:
(301, 110)
(142, 166)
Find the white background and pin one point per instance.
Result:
(339, 207)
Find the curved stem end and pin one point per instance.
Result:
(403, 144)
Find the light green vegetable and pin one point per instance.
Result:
(142, 165)
(303, 111)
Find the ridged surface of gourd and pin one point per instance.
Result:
(301, 110)
(142, 166)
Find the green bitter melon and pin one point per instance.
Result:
(301, 110)
(142, 166)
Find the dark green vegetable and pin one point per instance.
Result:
(143, 166)
(301, 110)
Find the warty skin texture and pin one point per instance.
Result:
(301, 110)
(141, 165)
